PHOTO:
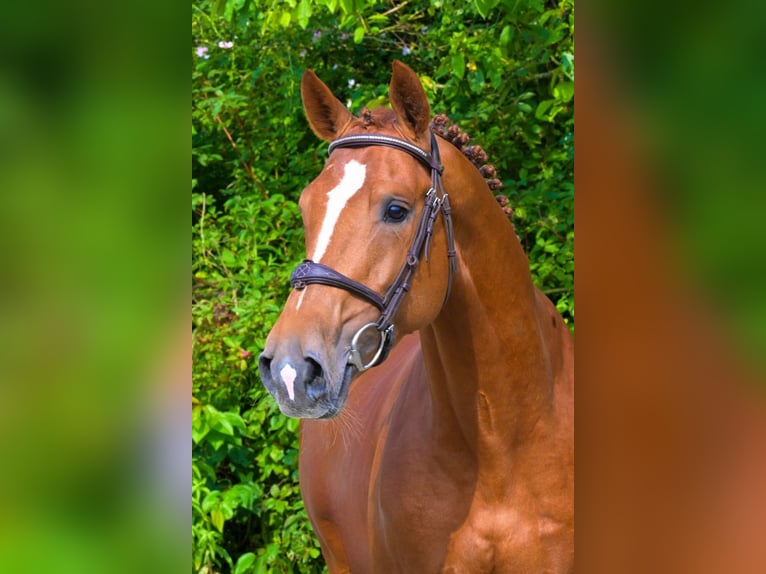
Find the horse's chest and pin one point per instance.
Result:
(417, 499)
(430, 515)
(503, 540)
(447, 537)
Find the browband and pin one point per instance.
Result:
(365, 140)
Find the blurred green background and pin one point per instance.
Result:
(94, 294)
(690, 79)
(503, 71)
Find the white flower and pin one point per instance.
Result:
(225, 45)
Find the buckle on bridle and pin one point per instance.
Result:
(355, 356)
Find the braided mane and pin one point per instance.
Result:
(453, 134)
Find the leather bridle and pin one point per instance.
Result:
(436, 201)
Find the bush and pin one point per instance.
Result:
(502, 70)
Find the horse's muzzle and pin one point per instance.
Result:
(301, 386)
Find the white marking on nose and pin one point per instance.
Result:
(287, 374)
(353, 180)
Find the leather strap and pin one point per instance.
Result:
(309, 272)
(366, 140)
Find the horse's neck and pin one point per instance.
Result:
(488, 361)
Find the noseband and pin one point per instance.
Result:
(436, 201)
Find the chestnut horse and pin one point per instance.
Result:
(456, 453)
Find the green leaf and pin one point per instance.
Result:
(244, 563)
(275, 454)
(199, 432)
(284, 19)
(212, 500)
(348, 6)
(476, 81)
(542, 108)
(567, 65)
(217, 519)
(506, 36)
(224, 426)
(215, 441)
(358, 35)
(303, 13)
(239, 495)
(458, 64)
(235, 420)
(564, 91)
(228, 258)
(219, 7)
(485, 6)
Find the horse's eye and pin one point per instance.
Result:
(395, 213)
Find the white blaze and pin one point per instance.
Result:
(337, 197)
(352, 181)
(288, 377)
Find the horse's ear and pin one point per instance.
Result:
(409, 100)
(326, 115)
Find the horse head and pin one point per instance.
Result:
(379, 262)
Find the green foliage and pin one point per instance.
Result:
(246, 505)
(503, 70)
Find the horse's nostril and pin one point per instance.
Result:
(264, 366)
(315, 383)
(313, 372)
